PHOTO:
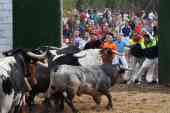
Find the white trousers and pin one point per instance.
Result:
(149, 66)
(120, 60)
(152, 74)
(135, 64)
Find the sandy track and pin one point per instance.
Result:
(138, 99)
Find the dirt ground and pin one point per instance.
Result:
(136, 99)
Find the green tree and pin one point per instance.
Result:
(119, 4)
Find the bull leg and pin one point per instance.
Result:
(19, 109)
(69, 101)
(61, 104)
(59, 101)
(31, 97)
(110, 105)
(97, 99)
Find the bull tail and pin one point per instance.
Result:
(7, 86)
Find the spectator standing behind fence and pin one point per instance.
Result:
(93, 43)
(84, 40)
(66, 31)
(76, 38)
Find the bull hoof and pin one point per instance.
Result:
(76, 111)
(97, 109)
(109, 108)
(130, 82)
(60, 111)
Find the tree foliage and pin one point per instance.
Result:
(119, 4)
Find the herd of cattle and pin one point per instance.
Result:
(59, 73)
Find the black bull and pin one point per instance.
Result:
(92, 80)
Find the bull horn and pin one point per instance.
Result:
(54, 48)
(79, 55)
(48, 48)
(33, 55)
(51, 47)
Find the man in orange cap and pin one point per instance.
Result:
(109, 43)
(110, 47)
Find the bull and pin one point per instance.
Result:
(65, 56)
(93, 80)
(40, 70)
(13, 73)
